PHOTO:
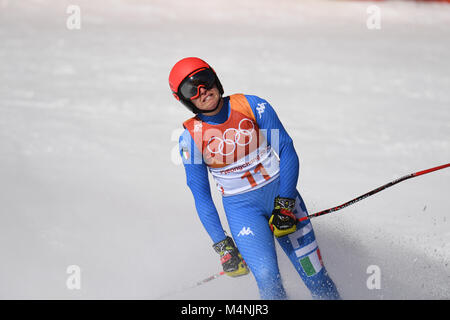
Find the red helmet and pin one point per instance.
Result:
(183, 69)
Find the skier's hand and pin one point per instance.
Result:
(231, 259)
(283, 220)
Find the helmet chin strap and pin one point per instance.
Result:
(208, 111)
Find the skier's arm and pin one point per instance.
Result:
(197, 180)
(267, 118)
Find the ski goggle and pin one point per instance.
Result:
(190, 87)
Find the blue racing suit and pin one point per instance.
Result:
(248, 212)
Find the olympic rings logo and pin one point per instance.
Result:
(226, 141)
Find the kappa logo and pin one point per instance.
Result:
(261, 107)
(197, 127)
(245, 232)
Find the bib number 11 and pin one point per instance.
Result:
(258, 169)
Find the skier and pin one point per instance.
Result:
(242, 143)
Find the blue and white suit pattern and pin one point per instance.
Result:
(248, 212)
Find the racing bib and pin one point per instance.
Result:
(236, 152)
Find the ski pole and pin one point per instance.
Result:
(370, 193)
(198, 283)
(214, 276)
(320, 213)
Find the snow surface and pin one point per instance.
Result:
(89, 130)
